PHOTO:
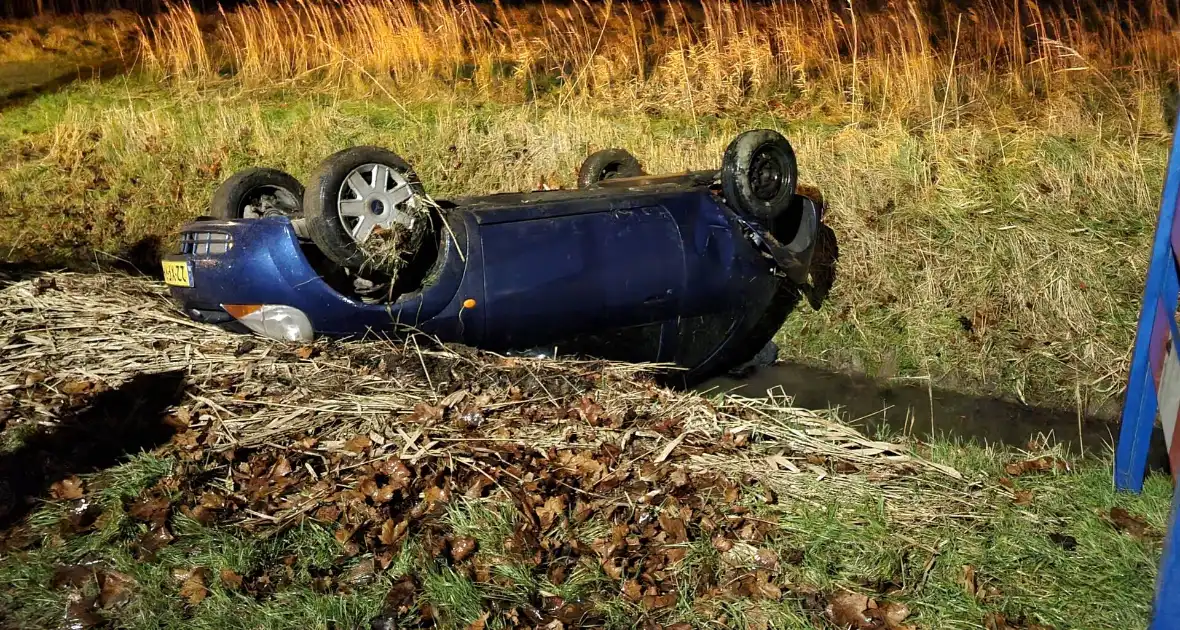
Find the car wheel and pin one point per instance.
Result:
(366, 210)
(759, 174)
(608, 164)
(254, 193)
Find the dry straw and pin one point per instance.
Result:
(416, 399)
(697, 57)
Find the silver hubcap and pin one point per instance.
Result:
(375, 196)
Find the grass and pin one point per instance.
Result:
(998, 260)
(47, 48)
(757, 513)
(1022, 567)
(992, 176)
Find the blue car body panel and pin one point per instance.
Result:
(540, 268)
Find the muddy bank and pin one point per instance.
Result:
(917, 407)
(21, 82)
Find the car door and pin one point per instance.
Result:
(563, 271)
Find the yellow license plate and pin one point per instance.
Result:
(176, 273)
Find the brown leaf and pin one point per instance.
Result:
(305, 352)
(367, 486)
(894, 613)
(115, 589)
(68, 488)
(74, 576)
(399, 475)
(632, 591)
(435, 495)
(767, 559)
(282, 467)
(675, 554)
(384, 494)
(674, 528)
(358, 444)
(967, 580)
(230, 579)
(721, 543)
(651, 601)
(588, 411)
(73, 388)
(425, 413)
(81, 613)
(1045, 463)
(192, 586)
(1128, 523)
(1023, 497)
(479, 624)
(152, 509)
(547, 514)
(462, 547)
(846, 609)
(155, 539)
(388, 529)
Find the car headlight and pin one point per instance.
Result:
(277, 321)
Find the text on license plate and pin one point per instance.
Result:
(176, 273)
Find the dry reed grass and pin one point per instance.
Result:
(89, 37)
(72, 333)
(930, 66)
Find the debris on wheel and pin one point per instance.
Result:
(367, 211)
(257, 192)
(698, 269)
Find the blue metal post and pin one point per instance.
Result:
(1139, 408)
(1166, 613)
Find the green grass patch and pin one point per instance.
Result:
(1052, 558)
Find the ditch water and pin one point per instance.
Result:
(916, 407)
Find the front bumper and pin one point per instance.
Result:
(264, 264)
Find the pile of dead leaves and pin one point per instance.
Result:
(630, 521)
(593, 468)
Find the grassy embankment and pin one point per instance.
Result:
(992, 181)
(55, 49)
(413, 486)
(992, 177)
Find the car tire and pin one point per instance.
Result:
(759, 174)
(328, 227)
(257, 192)
(608, 164)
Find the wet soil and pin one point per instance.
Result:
(917, 407)
(23, 81)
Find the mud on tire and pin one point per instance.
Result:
(759, 174)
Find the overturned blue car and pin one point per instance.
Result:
(698, 269)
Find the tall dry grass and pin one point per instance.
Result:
(700, 57)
